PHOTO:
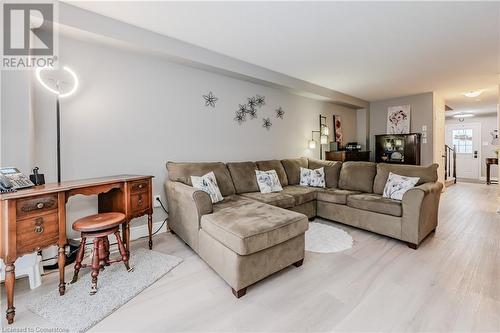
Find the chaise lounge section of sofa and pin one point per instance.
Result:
(250, 235)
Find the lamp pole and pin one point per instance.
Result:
(58, 117)
(59, 95)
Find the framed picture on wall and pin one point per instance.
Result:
(398, 119)
(337, 130)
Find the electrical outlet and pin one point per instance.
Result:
(156, 203)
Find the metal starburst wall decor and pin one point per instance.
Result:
(267, 123)
(279, 113)
(210, 99)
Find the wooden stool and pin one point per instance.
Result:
(99, 226)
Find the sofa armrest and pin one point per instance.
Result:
(186, 206)
(420, 212)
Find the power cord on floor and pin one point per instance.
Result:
(111, 244)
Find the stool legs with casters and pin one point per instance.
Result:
(99, 227)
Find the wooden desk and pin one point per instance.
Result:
(35, 218)
(347, 155)
(489, 162)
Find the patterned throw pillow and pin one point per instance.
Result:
(397, 185)
(268, 181)
(314, 178)
(208, 183)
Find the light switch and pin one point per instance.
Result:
(424, 128)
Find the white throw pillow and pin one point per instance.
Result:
(315, 178)
(208, 183)
(397, 185)
(268, 181)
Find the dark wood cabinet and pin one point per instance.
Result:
(347, 155)
(398, 148)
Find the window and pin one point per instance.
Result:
(462, 140)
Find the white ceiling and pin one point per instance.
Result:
(371, 50)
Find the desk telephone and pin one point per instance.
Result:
(11, 180)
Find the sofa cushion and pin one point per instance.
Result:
(397, 186)
(313, 178)
(332, 171)
(336, 196)
(234, 200)
(243, 174)
(292, 168)
(207, 183)
(182, 172)
(301, 194)
(375, 203)
(276, 198)
(357, 176)
(427, 174)
(268, 181)
(253, 226)
(274, 165)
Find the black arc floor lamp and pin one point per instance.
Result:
(56, 85)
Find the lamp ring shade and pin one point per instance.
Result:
(39, 71)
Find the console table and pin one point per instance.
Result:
(489, 162)
(347, 155)
(35, 218)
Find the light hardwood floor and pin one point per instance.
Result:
(451, 283)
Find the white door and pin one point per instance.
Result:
(465, 139)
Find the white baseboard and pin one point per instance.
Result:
(492, 178)
(140, 231)
(136, 232)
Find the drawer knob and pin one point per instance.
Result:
(140, 185)
(40, 205)
(38, 229)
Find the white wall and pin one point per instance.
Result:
(135, 112)
(438, 134)
(16, 122)
(488, 123)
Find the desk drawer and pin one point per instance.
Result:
(36, 205)
(140, 202)
(36, 233)
(139, 186)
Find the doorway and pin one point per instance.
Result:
(465, 138)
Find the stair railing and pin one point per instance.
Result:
(450, 163)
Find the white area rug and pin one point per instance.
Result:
(325, 238)
(78, 311)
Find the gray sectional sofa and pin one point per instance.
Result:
(250, 235)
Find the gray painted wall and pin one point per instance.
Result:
(134, 112)
(362, 128)
(488, 123)
(421, 114)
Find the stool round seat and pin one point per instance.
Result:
(99, 222)
(99, 227)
